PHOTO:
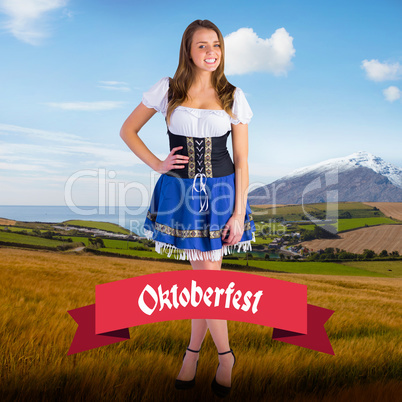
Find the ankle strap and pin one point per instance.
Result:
(194, 351)
(224, 353)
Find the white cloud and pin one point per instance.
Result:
(377, 71)
(87, 106)
(26, 18)
(113, 82)
(245, 52)
(392, 93)
(6, 129)
(63, 148)
(24, 167)
(114, 86)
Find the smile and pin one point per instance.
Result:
(210, 61)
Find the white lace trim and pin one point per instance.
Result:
(193, 254)
(201, 112)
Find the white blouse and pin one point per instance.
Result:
(192, 122)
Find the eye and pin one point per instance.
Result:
(201, 46)
(217, 45)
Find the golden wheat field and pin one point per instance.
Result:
(392, 209)
(376, 238)
(38, 287)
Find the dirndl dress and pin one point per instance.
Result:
(191, 206)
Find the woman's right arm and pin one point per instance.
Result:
(129, 134)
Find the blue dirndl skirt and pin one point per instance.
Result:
(186, 217)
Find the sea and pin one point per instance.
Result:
(131, 218)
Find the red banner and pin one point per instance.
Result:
(180, 295)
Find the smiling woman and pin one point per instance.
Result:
(205, 49)
(199, 209)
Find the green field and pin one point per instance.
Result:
(257, 254)
(260, 240)
(343, 206)
(391, 269)
(352, 215)
(31, 240)
(296, 212)
(18, 229)
(43, 227)
(326, 268)
(355, 223)
(109, 243)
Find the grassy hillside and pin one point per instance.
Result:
(297, 212)
(26, 239)
(110, 227)
(355, 223)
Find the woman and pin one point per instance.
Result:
(199, 207)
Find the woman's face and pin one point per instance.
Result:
(206, 49)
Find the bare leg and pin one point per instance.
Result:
(219, 332)
(188, 368)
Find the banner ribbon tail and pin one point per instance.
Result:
(85, 337)
(316, 337)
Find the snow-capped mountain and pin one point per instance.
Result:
(357, 177)
(358, 159)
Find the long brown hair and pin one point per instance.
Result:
(184, 76)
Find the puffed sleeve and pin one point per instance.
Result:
(156, 97)
(241, 109)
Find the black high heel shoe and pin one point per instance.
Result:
(220, 390)
(180, 384)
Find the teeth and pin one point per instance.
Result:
(210, 60)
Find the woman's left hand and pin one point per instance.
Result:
(234, 229)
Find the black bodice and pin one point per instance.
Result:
(208, 156)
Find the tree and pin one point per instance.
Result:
(314, 257)
(96, 242)
(368, 254)
(345, 255)
(48, 234)
(384, 253)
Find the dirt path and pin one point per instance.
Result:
(376, 238)
(77, 249)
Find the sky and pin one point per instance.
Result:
(323, 79)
